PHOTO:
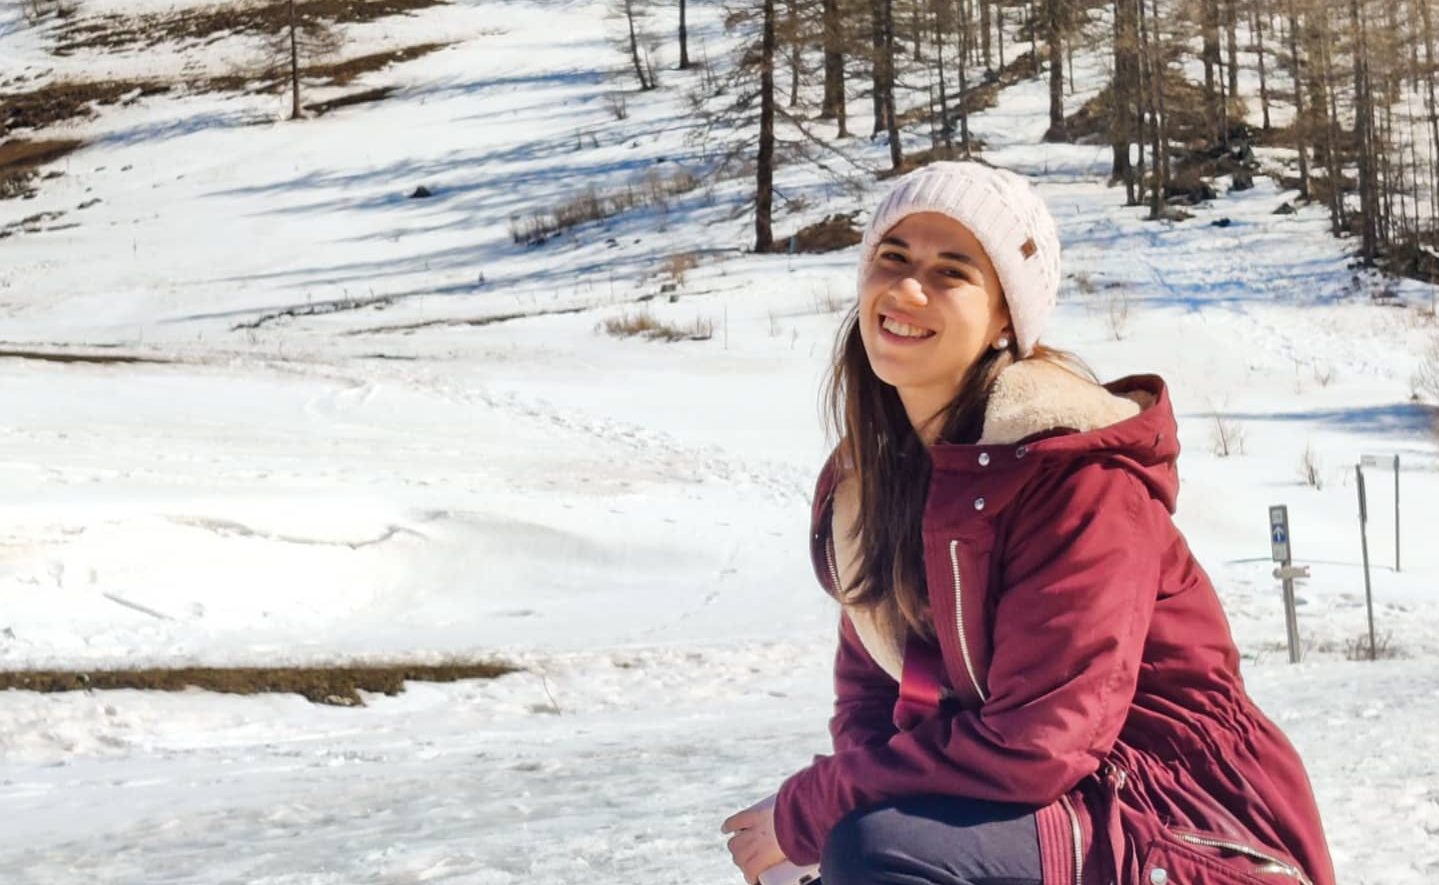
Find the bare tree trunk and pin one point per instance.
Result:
(969, 46)
(1426, 19)
(896, 153)
(1159, 135)
(984, 25)
(999, 31)
(834, 102)
(1301, 124)
(294, 65)
(1391, 173)
(1134, 187)
(1364, 133)
(1123, 90)
(764, 161)
(1149, 68)
(684, 40)
(1258, 27)
(645, 84)
(941, 32)
(1056, 70)
(1069, 62)
(1231, 23)
(1209, 25)
(796, 47)
(1412, 234)
(964, 23)
(916, 31)
(1032, 10)
(876, 26)
(1330, 105)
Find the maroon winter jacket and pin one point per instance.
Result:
(1091, 669)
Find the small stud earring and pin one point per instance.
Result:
(1002, 344)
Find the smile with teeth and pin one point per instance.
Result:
(903, 330)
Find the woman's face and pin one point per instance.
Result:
(929, 306)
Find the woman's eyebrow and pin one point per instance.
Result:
(953, 256)
(961, 258)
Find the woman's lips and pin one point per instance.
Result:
(902, 332)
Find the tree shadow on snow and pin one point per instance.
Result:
(1403, 420)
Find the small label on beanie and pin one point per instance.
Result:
(1029, 248)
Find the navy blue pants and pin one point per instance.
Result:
(934, 840)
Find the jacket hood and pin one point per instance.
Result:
(1053, 414)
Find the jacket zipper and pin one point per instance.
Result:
(833, 569)
(959, 619)
(1078, 835)
(1280, 865)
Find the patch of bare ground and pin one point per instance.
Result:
(20, 161)
(342, 72)
(354, 98)
(65, 100)
(116, 32)
(56, 356)
(338, 685)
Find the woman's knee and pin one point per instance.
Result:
(859, 850)
(931, 840)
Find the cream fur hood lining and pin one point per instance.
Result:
(1034, 396)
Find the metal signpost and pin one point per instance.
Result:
(1286, 572)
(1364, 543)
(1390, 461)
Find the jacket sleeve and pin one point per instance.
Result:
(864, 694)
(1080, 576)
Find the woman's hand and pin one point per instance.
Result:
(753, 845)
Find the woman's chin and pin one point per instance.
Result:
(897, 377)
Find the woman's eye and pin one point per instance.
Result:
(892, 256)
(955, 273)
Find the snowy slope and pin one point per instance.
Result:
(625, 518)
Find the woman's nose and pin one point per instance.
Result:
(910, 292)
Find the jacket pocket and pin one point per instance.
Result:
(1192, 857)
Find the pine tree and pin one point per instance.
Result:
(304, 39)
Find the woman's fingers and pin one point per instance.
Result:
(741, 820)
(742, 846)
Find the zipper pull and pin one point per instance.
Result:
(1116, 776)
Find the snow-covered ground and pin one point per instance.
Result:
(624, 518)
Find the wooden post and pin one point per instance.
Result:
(1364, 544)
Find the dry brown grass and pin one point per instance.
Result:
(336, 685)
(677, 265)
(654, 189)
(1226, 436)
(1426, 376)
(1311, 469)
(830, 235)
(1357, 649)
(642, 323)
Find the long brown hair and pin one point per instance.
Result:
(880, 448)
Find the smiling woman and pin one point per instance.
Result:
(928, 311)
(1035, 683)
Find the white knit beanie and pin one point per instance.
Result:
(1006, 215)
